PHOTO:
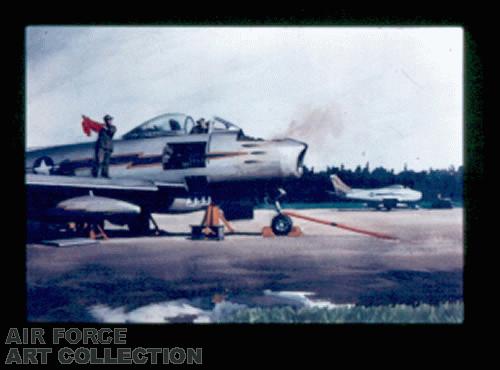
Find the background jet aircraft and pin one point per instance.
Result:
(387, 197)
(157, 164)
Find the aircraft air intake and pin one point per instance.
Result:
(292, 157)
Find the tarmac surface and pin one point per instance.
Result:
(425, 264)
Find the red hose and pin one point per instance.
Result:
(367, 232)
(350, 228)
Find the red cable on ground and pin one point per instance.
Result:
(354, 229)
(367, 232)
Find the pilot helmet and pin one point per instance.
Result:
(107, 118)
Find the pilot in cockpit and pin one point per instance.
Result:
(201, 127)
(174, 125)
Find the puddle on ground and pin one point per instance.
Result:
(208, 310)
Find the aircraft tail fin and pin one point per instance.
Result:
(339, 186)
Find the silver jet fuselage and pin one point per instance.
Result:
(221, 162)
(221, 157)
(389, 196)
(223, 154)
(397, 192)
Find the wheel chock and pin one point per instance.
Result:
(295, 232)
(267, 232)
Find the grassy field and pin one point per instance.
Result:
(444, 313)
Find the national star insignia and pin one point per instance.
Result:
(43, 168)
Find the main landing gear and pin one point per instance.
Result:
(141, 225)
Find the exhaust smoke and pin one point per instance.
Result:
(319, 127)
(315, 125)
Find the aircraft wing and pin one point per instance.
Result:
(55, 195)
(92, 183)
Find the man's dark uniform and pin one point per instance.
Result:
(200, 127)
(104, 148)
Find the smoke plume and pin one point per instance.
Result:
(320, 127)
(316, 126)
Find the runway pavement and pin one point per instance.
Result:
(424, 266)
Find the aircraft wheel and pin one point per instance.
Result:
(140, 225)
(390, 204)
(281, 225)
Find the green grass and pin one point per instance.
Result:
(452, 313)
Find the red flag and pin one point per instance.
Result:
(88, 125)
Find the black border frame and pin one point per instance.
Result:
(250, 344)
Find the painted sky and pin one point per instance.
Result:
(385, 95)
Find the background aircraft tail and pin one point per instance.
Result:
(339, 186)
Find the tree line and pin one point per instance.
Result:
(317, 187)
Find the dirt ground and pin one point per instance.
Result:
(425, 264)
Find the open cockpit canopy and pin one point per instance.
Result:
(395, 187)
(171, 124)
(164, 125)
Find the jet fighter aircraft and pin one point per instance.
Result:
(388, 197)
(157, 164)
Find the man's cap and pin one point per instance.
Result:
(107, 117)
(201, 120)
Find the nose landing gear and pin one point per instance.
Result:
(281, 224)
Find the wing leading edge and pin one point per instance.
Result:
(90, 183)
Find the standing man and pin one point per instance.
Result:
(104, 148)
